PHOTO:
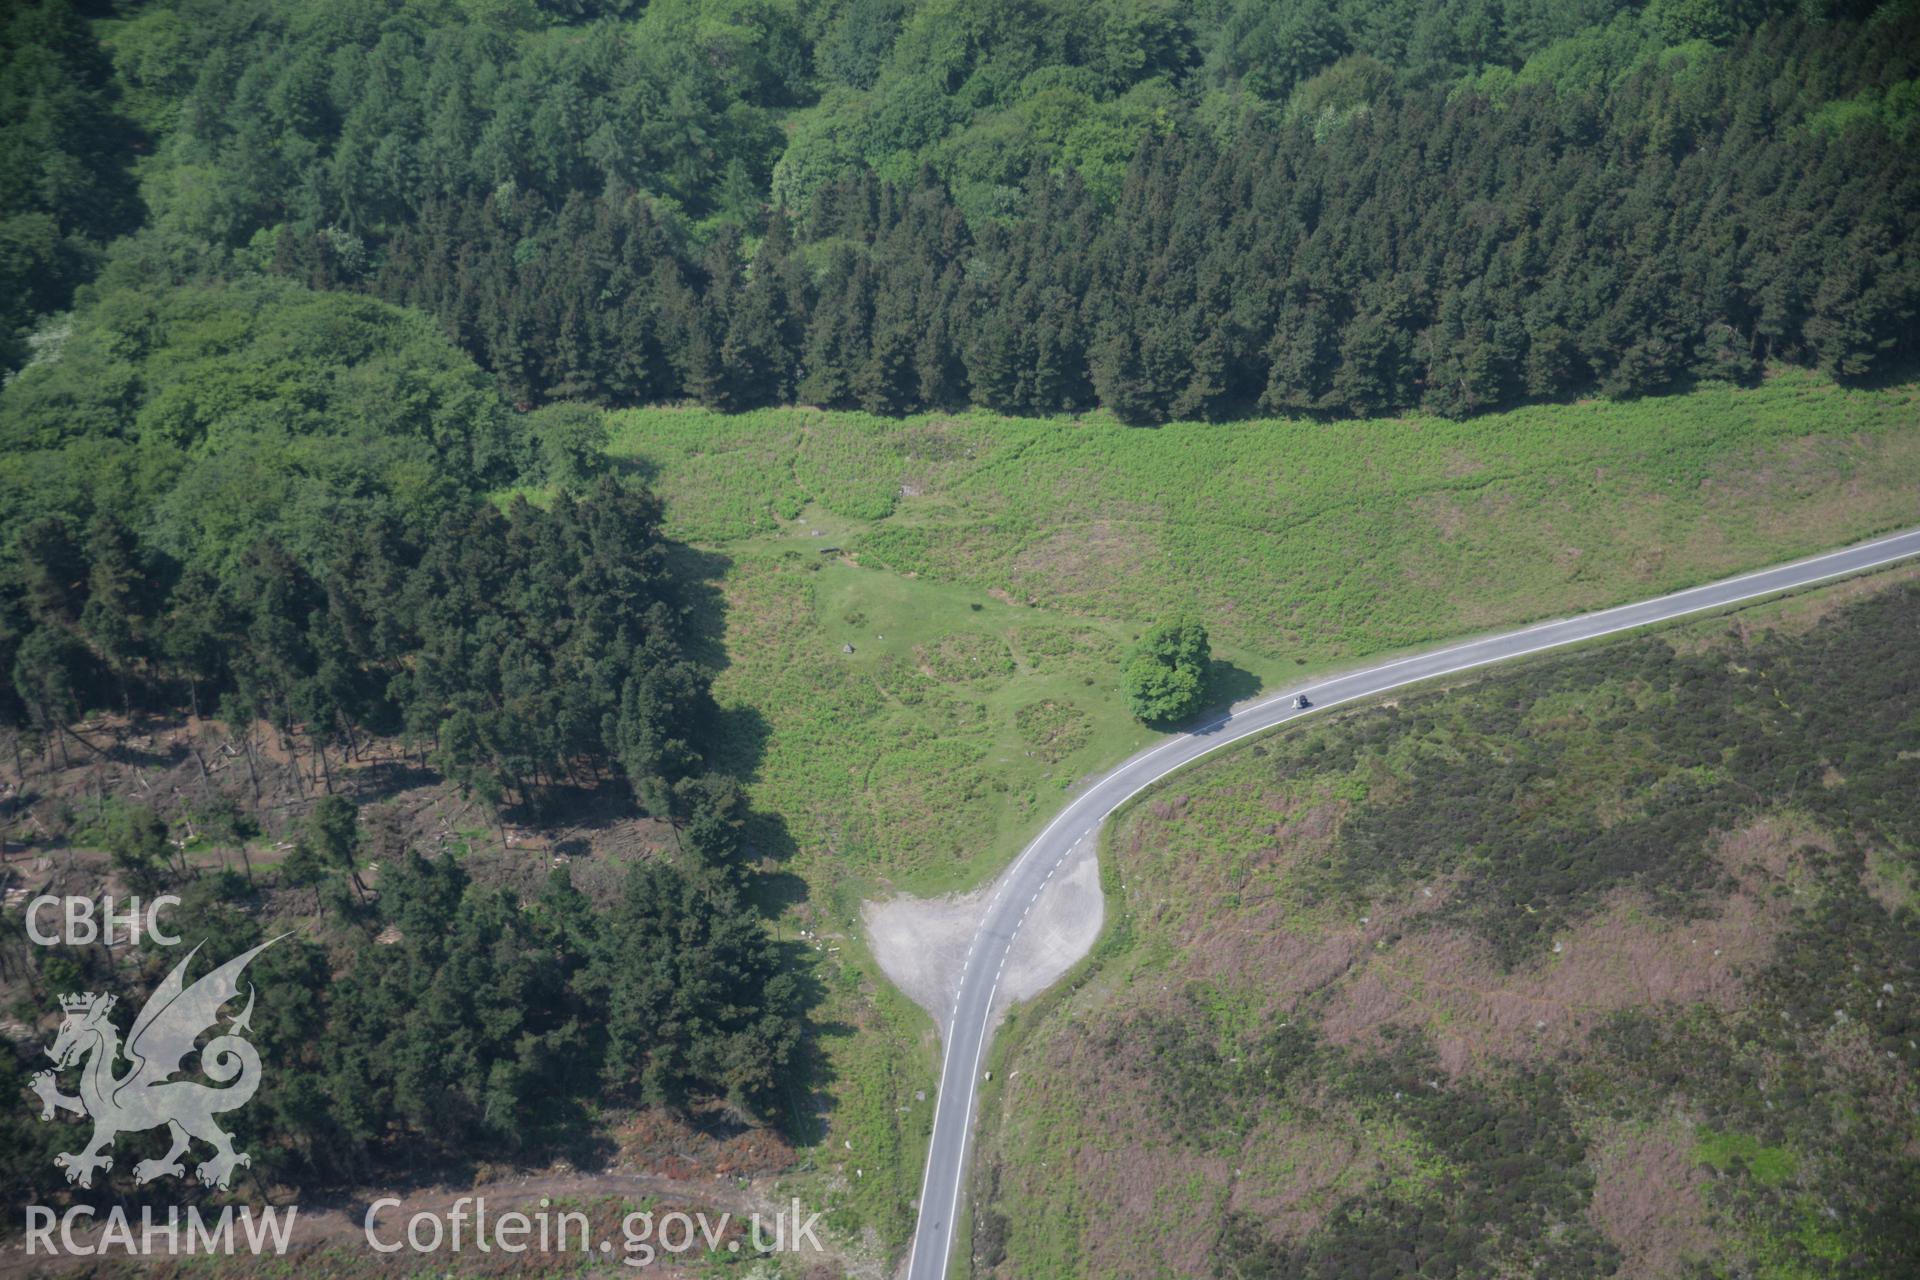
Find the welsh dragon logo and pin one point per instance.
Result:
(146, 1097)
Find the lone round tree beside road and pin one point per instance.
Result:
(1166, 678)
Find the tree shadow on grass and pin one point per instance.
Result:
(735, 738)
(642, 468)
(806, 1087)
(774, 892)
(735, 744)
(1887, 372)
(699, 573)
(1228, 684)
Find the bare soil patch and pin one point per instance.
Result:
(921, 943)
(1647, 1199)
(1479, 1018)
(1294, 1169)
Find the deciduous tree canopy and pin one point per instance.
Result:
(1166, 676)
(1169, 211)
(268, 501)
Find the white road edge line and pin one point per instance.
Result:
(1233, 713)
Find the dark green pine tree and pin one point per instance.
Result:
(884, 381)
(1118, 378)
(837, 332)
(756, 362)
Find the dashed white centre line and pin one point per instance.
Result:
(1241, 718)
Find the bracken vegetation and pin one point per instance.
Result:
(1710, 832)
(572, 429)
(1294, 539)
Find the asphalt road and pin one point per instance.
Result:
(970, 1024)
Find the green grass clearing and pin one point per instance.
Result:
(989, 574)
(1769, 1166)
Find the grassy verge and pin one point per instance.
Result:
(924, 619)
(988, 573)
(1602, 946)
(1322, 541)
(880, 1058)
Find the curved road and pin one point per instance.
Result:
(970, 1025)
